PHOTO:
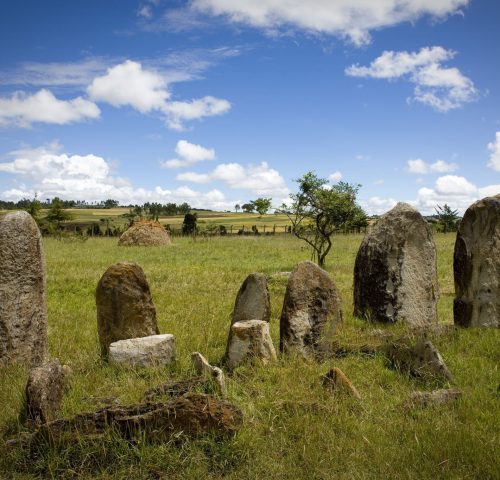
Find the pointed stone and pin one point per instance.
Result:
(23, 307)
(125, 308)
(395, 275)
(336, 379)
(204, 369)
(476, 266)
(311, 309)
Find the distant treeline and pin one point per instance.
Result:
(164, 209)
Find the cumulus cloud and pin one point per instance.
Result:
(260, 179)
(442, 88)
(130, 84)
(377, 205)
(178, 112)
(189, 154)
(494, 148)
(456, 191)
(50, 172)
(335, 176)
(352, 19)
(22, 109)
(420, 167)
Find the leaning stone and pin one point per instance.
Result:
(395, 275)
(336, 379)
(250, 339)
(125, 308)
(23, 308)
(192, 414)
(311, 309)
(436, 397)
(420, 359)
(476, 266)
(206, 370)
(44, 391)
(144, 351)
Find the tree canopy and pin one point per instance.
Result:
(319, 209)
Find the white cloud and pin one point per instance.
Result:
(51, 173)
(335, 176)
(420, 167)
(377, 205)
(456, 191)
(260, 179)
(144, 11)
(352, 19)
(23, 109)
(189, 153)
(130, 84)
(442, 88)
(494, 148)
(178, 112)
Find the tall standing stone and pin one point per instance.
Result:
(23, 306)
(311, 309)
(125, 308)
(252, 302)
(476, 266)
(395, 275)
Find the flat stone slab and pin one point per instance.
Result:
(144, 351)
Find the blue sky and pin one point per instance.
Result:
(217, 102)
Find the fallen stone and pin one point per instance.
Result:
(395, 276)
(336, 379)
(145, 233)
(436, 397)
(420, 359)
(250, 339)
(476, 266)
(45, 391)
(23, 308)
(125, 308)
(311, 309)
(204, 369)
(192, 414)
(144, 351)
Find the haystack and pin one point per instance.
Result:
(145, 233)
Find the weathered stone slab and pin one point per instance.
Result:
(144, 351)
(192, 414)
(250, 339)
(395, 276)
(23, 308)
(419, 358)
(476, 266)
(311, 309)
(436, 397)
(125, 308)
(45, 390)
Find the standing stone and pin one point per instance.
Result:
(125, 308)
(395, 275)
(476, 266)
(311, 309)
(45, 390)
(252, 302)
(23, 306)
(250, 339)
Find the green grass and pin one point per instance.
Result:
(293, 429)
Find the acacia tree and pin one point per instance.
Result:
(447, 218)
(319, 209)
(248, 207)
(262, 205)
(57, 214)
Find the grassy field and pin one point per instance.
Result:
(293, 428)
